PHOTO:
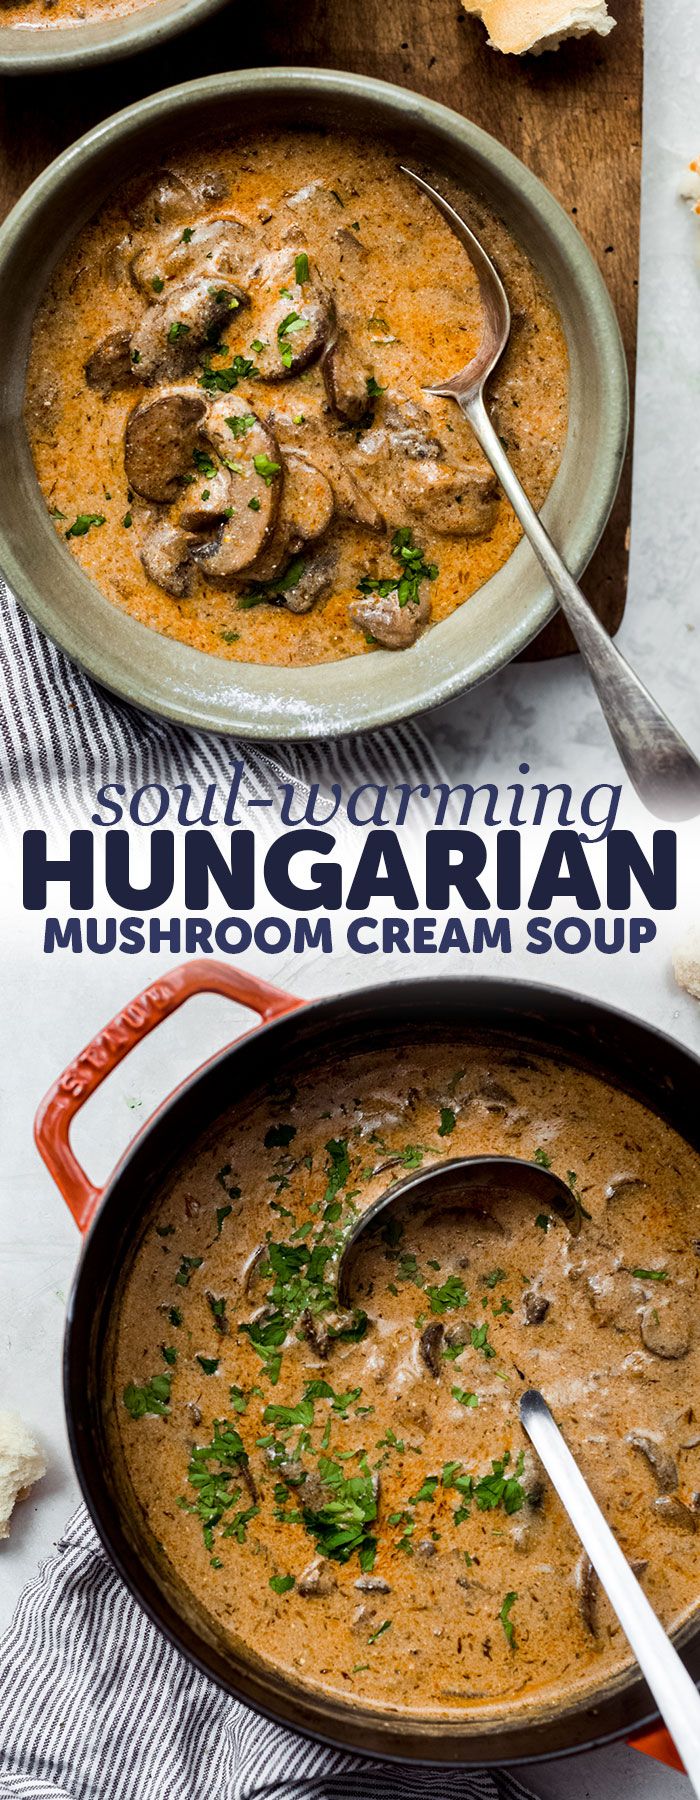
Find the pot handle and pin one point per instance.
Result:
(65, 1098)
(659, 1744)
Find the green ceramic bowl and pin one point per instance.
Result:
(42, 49)
(245, 699)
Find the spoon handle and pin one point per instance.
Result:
(675, 1693)
(659, 763)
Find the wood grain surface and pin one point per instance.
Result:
(573, 116)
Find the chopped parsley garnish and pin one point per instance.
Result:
(177, 330)
(237, 1400)
(153, 1398)
(222, 1212)
(301, 1414)
(414, 570)
(157, 284)
(340, 1526)
(84, 523)
(289, 326)
(448, 1120)
(209, 1364)
(464, 1397)
(480, 1340)
(127, 521)
(212, 1470)
(187, 1264)
(223, 381)
(505, 1618)
(174, 1315)
(187, 235)
(266, 1337)
(650, 1274)
(265, 467)
(338, 1172)
(281, 1584)
(301, 268)
(544, 1221)
(543, 1159)
(385, 1626)
(169, 1353)
(449, 1297)
(373, 388)
(241, 423)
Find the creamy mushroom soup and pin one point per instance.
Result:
(39, 14)
(226, 405)
(349, 1492)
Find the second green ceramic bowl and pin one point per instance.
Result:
(249, 700)
(46, 48)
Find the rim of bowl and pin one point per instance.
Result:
(34, 50)
(268, 702)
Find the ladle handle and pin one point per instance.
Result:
(65, 1098)
(660, 765)
(675, 1693)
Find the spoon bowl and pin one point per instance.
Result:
(469, 1181)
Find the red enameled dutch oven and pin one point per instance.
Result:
(629, 1053)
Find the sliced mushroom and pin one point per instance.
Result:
(388, 622)
(165, 554)
(372, 1584)
(666, 1327)
(313, 581)
(206, 504)
(457, 502)
(658, 1457)
(305, 513)
(164, 201)
(251, 460)
(315, 1334)
(173, 333)
(612, 1299)
(673, 1511)
(293, 319)
(110, 365)
(345, 376)
(425, 1549)
(588, 1586)
(307, 429)
(215, 247)
(535, 1307)
(430, 1346)
(161, 437)
(316, 1580)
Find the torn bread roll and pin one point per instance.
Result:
(518, 26)
(22, 1462)
(686, 962)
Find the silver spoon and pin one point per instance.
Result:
(673, 1689)
(659, 763)
(460, 1180)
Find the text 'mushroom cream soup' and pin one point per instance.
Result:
(226, 406)
(350, 1493)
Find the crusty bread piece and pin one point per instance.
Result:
(517, 26)
(21, 1464)
(686, 962)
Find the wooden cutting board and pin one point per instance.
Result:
(574, 116)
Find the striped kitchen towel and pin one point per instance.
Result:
(96, 1705)
(61, 737)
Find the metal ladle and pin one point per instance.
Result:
(454, 1182)
(660, 765)
(673, 1689)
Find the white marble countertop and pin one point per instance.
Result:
(544, 714)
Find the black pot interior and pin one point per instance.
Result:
(652, 1067)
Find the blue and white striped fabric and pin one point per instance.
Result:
(96, 1705)
(62, 737)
